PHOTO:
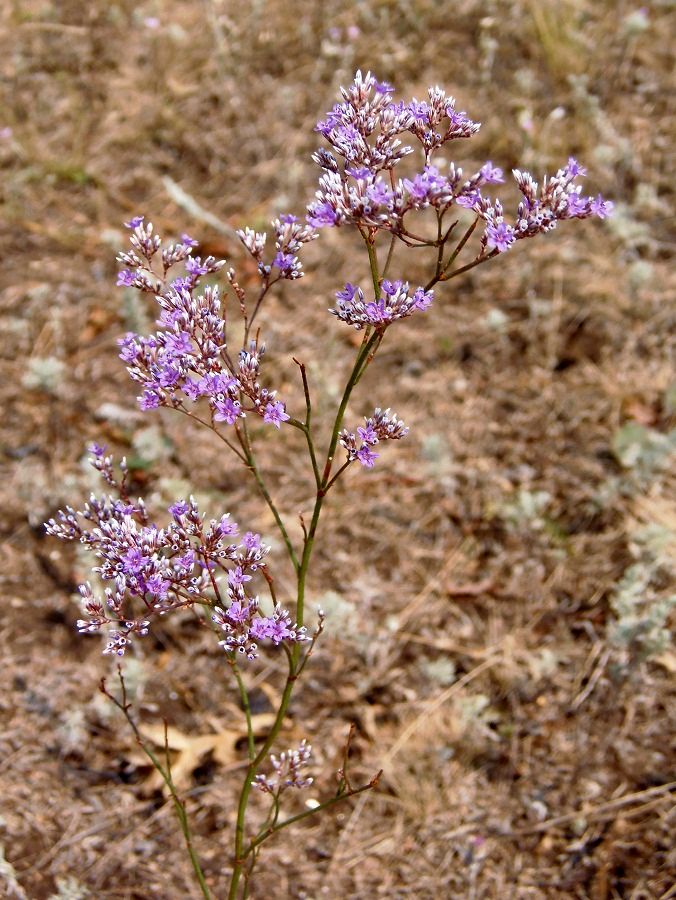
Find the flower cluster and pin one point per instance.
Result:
(381, 426)
(157, 570)
(288, 771)
(395, 303)
(290, 235)
(364, 132)
(187, 358)
(557, 199)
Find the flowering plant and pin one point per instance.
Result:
(189, 365)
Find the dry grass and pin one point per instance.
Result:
(468, 629)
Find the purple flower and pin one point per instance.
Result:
(284, 261)
(178, 509)
(216, 383)
(348, 292)
(500, 236)
(377, 311)
(601, 208)
(187, 241)
(422, 299)
(275, 414)
(186, 562)
(236, 577)
(227, 410)
(469, 200)
(194, 266)
(179, 343)
(135, 222)
(366, 456)
(491, 174)
(378, 193)
(97, 450)
(149, 399)
(251, 541)
(322, 215)
(288, 219)
(359, 173)
(573, 168)
(238, 612)
(383, 87)
(576, 205)
(428, 187)
(191, 390)
(133, 561)
(368, 434)
(130, 347)
(157, 585)
(420, 111)
(275, 629)
(125, 278)
(169, 374)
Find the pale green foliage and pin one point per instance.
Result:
(640, 627)
(69, 888)
(642, 449)
(45, 374)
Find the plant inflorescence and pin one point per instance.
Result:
(190, 364)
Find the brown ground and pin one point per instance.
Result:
(526, 754)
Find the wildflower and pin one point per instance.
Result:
(287, 771)
(381, 426)
(275, 414)
(395, 303)
(125, 278)
(500, 236)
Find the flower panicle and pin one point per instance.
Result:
(153, 570)
(187, 359)
(383, 425)
(288, 771)
(365, 132)
(396, 302)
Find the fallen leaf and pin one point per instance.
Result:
(188, 751)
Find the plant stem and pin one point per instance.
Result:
(246, 706)
(364, 356)
(179, 806)
(252, 768)
(253, 468)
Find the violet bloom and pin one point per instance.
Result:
(135, 222)
(275, 414)
(491, 174)
(601, 208)
(368, 434)
(251, 541)
(322, 215)
(500, 236)
(573, 168)
(237, 577)
(179, 343)
(149, 399)
(125, 278)
(366, 456)
(227, 411)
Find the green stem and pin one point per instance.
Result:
(179, 806)
(253, 468)
(273, 829)
(364, 356)
(373, 261)
(251, 771)
(246, 706)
